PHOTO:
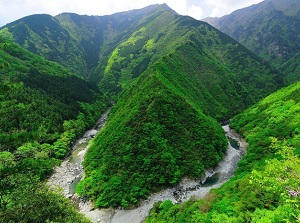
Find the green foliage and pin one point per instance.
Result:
(226, 75)
(292, 69)
(229, 77)
(160, 129)
(157, 132)
(153, 138)
(37, 96)
(271, 30)
(266, 185)
(43, 109)
(23, 198)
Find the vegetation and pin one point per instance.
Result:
(266, 185)
(23, 198)
(43, 102)
(43, 108)
(270, 29)
(173, 77)
(153, 139)
(144, 146)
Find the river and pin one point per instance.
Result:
(69, 173)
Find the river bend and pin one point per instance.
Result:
(69, 173)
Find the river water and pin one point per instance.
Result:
(69, 173)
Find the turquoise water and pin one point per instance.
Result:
(234, 143)
(210, 181)
(73, 185)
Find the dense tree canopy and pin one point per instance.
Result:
(266, 184)
(43, 108)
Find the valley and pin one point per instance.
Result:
(159, 154)
(69, 173)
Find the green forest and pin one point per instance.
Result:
(147, 149)
(43, 109)
(265, 187)
(171, 80)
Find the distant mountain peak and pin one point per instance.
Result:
(151, 8)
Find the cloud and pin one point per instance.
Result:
(14, 9)
(195, 12)
(223, 7)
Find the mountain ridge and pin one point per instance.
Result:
(270, 29)
(172, 77)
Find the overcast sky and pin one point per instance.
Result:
(11, 10)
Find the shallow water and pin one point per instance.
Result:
(70, 172)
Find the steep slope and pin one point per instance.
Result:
(292, 68)
(266, 185)
(154, 137)
(38, 95)
(112, 50)
(43, 108)
(270, 29)
(159, 130)
(224, 75)
(73, 40)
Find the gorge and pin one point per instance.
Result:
(69, 173)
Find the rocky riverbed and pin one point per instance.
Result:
(69, 173)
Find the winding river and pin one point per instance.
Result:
(69, 173)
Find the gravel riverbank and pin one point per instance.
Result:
(71, 171)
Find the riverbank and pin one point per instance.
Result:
(70, 172)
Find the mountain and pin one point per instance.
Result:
(37, 96)
(265, 187)
(144, 145)
(121, 46)
(173, 79)
(74, 41)
(43, 108)
(201, 73)
(270, 29)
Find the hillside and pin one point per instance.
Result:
(270, 29)
(43, 108)
(160, 127)
(112, 50)
(38, 95)
(75, 41)
(172, 77)
(266, 185)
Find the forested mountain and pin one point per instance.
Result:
(173, 79)
(271, 29)
(266, 185)
(124, 45)
(143, 146)
(38, 95)
(75, 41)
(43, 108)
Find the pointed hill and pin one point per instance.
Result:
(270, 29)
(267, 175)
(160, 127)
(173, 78)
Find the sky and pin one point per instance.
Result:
(11, 10)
